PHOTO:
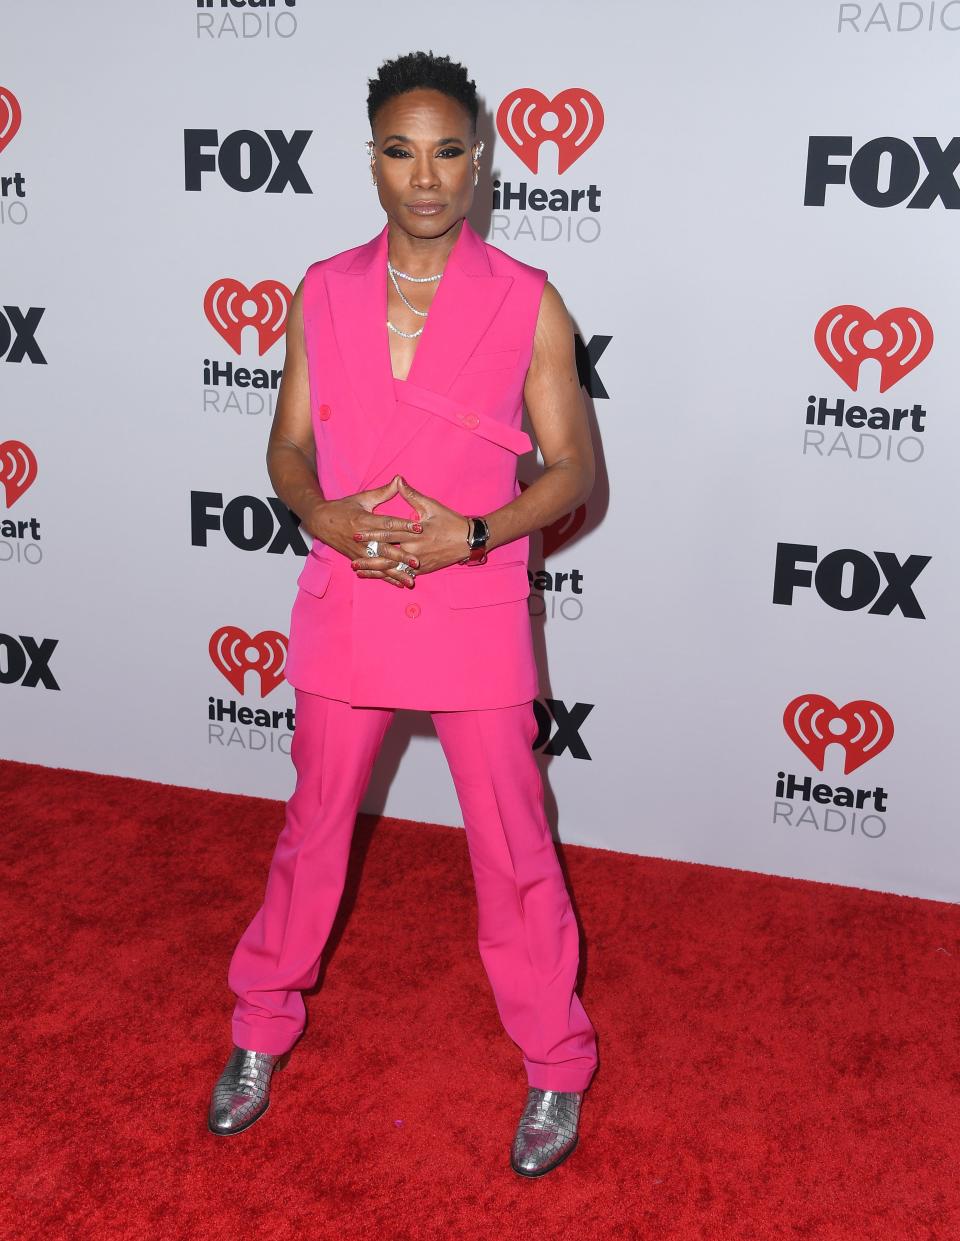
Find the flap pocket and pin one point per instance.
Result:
(500, 361)
(476, 585)
(315, 576)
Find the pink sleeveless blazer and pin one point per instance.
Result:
(461, 639)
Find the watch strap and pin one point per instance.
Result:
(479, 533)
(477, 536)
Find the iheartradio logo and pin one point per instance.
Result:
(18, 470)
(898, 339)
(863, 728)
(10, 116)
(235, 653)
(230, 307)
(573, 120)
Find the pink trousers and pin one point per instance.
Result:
(527, 933)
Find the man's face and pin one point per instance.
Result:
(424, 154)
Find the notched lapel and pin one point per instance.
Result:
(467, 299)
(462, 311)
(358, 309)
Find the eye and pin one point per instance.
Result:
(393, 152)
(451, 151)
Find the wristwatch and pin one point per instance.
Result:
(478, 533)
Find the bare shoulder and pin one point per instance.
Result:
(553, 337)
(553, 309)
(296, 302)
(294, 333)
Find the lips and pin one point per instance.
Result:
(426, 208)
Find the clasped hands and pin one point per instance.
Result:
(434, 537)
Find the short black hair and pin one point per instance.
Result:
(422, 71)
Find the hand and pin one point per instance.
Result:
(443, 541)
(340, 524)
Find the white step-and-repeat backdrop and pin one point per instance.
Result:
(747, 636)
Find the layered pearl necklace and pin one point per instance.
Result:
(394, 273)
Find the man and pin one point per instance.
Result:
(395, 439)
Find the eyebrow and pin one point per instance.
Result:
(439, 141)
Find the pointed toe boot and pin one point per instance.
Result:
(242, 1091)
(547, 1132)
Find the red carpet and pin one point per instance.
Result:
(778, 1058)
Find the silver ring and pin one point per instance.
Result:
(373, 548)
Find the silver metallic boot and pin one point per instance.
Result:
(242, 1091)
(547, 1132)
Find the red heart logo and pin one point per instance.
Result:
(863, 728)
(563, 529)
(10, 116)
(235, 653)
(901, 339)
(18, 470)
(526, 119)
(230, 307)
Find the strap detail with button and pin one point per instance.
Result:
(488, 428)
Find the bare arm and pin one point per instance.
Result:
(291, 460)
(555, 403)
(291, 452)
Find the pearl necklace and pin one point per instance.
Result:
(394, 273)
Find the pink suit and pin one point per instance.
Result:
(459, 645)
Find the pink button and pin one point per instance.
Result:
(323, 413)
(413, 610)
(471, 421)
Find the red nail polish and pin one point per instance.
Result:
(358, 538)
(418, 528)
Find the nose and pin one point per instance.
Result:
(423, 174)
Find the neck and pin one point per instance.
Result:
(420, 256)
